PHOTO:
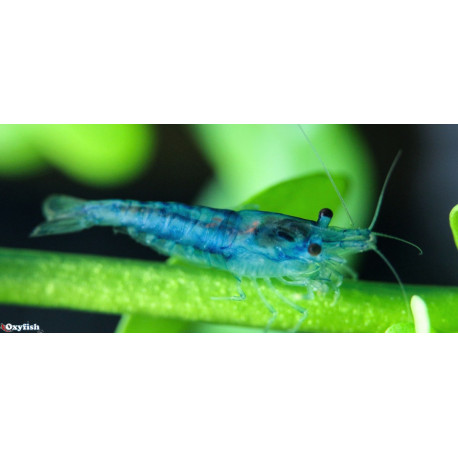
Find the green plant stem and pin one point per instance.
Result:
(124, 286)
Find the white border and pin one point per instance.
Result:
(250, 61)
(228, 395)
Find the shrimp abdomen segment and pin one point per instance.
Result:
(202, 228)
(151, 223)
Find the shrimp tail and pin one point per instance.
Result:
(63, 214)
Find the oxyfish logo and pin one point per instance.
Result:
(26, 327)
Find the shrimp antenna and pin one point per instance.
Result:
(382, 192)
(328, 174)
(393, 270)
(378, 234)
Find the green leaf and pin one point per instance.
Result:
(18, 157)
(454, 223)
(96, 154)
(302, 197)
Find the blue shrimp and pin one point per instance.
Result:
(249, 244)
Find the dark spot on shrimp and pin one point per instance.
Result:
(314, 249)
(292, 226)
(285, 236)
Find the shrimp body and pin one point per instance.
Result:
(247, 243)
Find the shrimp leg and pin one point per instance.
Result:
(292, 304)
(345, 269)
(270, 307)
(350, 271)
(304, 283)
(335, 289)
(240, 297)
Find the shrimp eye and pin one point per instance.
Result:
(326, 212)
(314, 249)
(285, 236)
(324, 217)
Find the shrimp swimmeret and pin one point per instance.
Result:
(250, 244)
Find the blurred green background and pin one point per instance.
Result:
(222, 166)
